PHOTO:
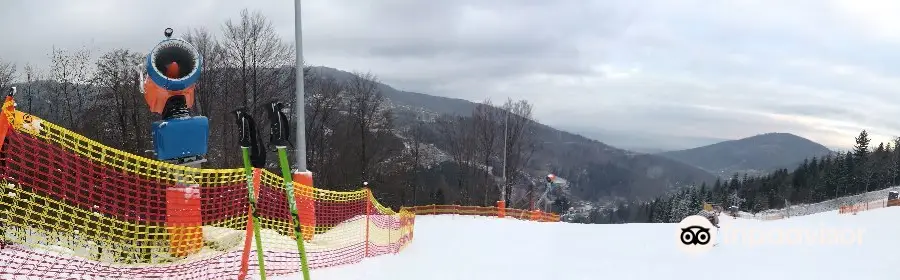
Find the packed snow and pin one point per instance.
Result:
(466, 247)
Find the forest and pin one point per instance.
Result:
(862, 169)
(354, 134)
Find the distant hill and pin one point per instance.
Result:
(753, 155)
(642, 141)
(594, 170)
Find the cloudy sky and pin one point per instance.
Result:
(822, 69)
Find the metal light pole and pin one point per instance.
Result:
(305, 204)
(503, 189)
(299, 105)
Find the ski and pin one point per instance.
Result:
(278, 137)
(248, 139)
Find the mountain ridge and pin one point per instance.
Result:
(756, 154)
(595, 170)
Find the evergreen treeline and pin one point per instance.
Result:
(860, 170)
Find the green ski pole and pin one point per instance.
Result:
(279, 137)
(248, 133)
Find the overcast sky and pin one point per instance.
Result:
(822, 69)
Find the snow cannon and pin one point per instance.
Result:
(170, 72)
(172, 69)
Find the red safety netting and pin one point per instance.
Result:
(73, 208)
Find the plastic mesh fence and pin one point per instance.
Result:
(520, 214)
(72, 208)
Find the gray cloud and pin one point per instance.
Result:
(729, 69)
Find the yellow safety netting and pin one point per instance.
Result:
(71, 207)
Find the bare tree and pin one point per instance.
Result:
(453, 131)
(256, 67)
(214, 99)
(116, 109)
(485, 118)
(71, 75)
(206, 45)
(520, 141)
(31, 77)
(417, 157)
(459, 133)
(254, 48)
(323, 100)
(7, 73)
(368, 118)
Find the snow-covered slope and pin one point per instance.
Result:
(828, 205)
(463, 247)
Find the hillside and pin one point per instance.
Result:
(594, 170)
(409, 100)
(754, 155)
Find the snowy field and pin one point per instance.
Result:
(464, 247)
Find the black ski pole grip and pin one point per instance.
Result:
(278, 132)
(249, 137)
(243, 122)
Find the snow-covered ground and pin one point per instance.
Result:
(465, 247)
(828, 205)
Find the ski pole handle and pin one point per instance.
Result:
(243, 121)
(280, 126)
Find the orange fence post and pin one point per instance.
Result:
(183, 220)
(306, 203)
(501, 207)
(245, 256)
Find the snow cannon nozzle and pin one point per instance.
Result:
(279, 132)
(168, 32)
(172, 69)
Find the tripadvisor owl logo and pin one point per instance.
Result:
(695, 235)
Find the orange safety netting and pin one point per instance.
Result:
(866, 206)
(530, 215)
(72, 208)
